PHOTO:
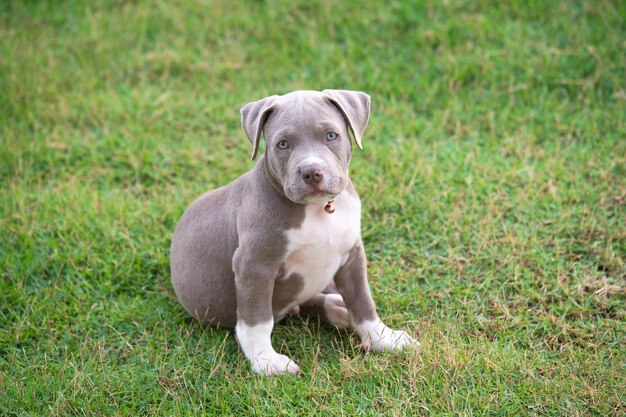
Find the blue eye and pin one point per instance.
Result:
(283, 144)
(331, 136)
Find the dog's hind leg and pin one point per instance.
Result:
(329, 307)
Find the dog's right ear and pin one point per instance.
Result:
(253, 118)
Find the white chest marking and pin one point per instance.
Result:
(322, 244)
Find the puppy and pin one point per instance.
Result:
(285, 236)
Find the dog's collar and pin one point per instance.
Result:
(329, 208)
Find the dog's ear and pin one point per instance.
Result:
(355, 107)
(253, 118)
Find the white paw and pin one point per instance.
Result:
(274, 364)
(378, 337)
(392, 340)
(257, 346)
(336, 311)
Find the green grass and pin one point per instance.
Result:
(493, 182)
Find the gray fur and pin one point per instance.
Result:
(229, 247)
(207, 243)
(351, 279)
(285, 290)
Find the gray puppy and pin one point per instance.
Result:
(270, 243)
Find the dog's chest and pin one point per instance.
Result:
(321, 245)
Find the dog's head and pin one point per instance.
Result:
(307, 144)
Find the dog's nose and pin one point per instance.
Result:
(312, 174)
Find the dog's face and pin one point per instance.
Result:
(308, 147)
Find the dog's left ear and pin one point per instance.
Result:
(355, 107)
(253, 118)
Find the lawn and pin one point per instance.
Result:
(493, 181)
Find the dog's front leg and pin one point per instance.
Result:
(351, 281)
(254, 286)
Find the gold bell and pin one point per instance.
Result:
(329, 208)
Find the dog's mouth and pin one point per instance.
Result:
(318, 197)
(308, 194)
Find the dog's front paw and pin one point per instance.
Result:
(378, 337)
(392, 340)
(274, 364)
